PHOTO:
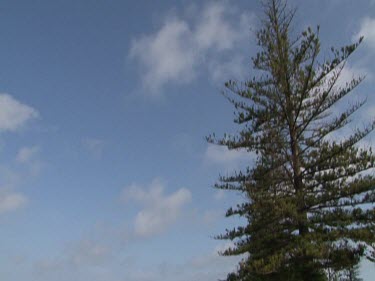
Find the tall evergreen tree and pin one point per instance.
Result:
(309, 197)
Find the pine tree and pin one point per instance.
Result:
(310, 195)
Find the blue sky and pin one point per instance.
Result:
(105, 174)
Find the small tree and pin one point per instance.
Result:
(309, 206)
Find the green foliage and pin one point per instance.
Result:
(309, 197)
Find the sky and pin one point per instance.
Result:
(105, 173)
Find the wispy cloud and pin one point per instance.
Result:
(14, 114)
(207, 266)
(227, 158)
(89, 258)
(182, 48)
(26, 154)
(159, 210)
(367, 29)
(11, 201)
(28, 157)
(94, 146)
(89, 252)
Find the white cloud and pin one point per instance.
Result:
(363, 116)
(213, 257)
(206, 266)
(214, 30)
(98, 255)
(351, 72)
(231, 69)
(347, 74)
(80, 254)
(14, 114)
(94, 145)
(210, 217)
(26, 154)
(82, 260)
(88, 252)
(367, 30)
(182, 48)
(168, 55)
(159, 210)
(221, 155)
(11, 201)
(219, 195)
